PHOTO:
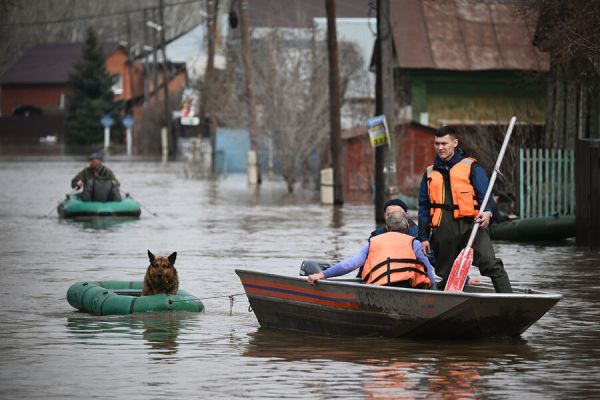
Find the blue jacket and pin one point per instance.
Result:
(478, 178)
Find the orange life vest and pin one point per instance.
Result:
(464, 201)
(392, 259)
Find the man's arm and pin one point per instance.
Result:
(342, 267)
(112, 177)
(424, 205)
(421, 257)
(480, 183)
(79, 177)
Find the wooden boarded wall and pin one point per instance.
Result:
(587, 166)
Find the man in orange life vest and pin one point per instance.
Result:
(392, 258)
(449, 197)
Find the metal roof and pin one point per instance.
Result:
(465, 35)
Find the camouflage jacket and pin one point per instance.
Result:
(90, 173)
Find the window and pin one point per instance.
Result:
(118, 84)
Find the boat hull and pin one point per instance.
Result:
(73, 207)
(348, 308)
(535, 229)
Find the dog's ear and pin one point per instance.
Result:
(172, 258)
(151, 257)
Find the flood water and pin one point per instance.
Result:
(50, 350)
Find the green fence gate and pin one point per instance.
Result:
(546, 182)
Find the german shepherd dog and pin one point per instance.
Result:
(161, 275)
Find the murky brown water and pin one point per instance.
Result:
(49, 350)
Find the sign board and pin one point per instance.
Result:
(378, 131)
(127, 121)
(107, 121)
(190, 106)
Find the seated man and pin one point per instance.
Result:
(392, 206)
(98, 182)
(392, 258)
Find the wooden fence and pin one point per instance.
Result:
(546, 182)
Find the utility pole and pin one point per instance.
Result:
(384, 104)
(154, 58)
(334, 103)
(167, 112)
(254, 175)
(144, 44)
(206, 118)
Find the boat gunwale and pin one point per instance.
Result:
(353, 283)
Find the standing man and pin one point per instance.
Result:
(449, 197)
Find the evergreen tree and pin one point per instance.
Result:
(92, 96)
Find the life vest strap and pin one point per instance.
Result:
(450, 207)
(388, 261)
(389, 272)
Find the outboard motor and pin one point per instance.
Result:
(310, 267)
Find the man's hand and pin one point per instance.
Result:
(312, 279)
(426, 247)
(484, 219)
(79, 184)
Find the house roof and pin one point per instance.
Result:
(300, 13)
(465, 35)
(48, 63)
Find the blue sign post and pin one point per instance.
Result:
(128, 122)
(107, 122)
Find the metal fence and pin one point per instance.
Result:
(546, 182)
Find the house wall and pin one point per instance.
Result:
(44, 96)
(414, 152)
(117, 63)
(476, 97)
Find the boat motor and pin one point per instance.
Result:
(309, 267)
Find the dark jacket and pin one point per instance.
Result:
(478, 179)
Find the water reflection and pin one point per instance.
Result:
(399, 368)
(159, 331)
(99, 224)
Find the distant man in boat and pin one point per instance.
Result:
(451, 190)
(98, 182)
(392, 258)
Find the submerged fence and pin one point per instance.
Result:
(546, 182)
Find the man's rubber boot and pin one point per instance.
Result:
(502, 284)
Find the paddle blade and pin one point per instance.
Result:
(460, 270)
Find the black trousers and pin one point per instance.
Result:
(451, 237)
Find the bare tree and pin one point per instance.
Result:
(291, 94)
(24, 24)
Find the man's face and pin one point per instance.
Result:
(394, 209)
(95, 163)
(444, 147)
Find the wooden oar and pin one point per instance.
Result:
(462, 264)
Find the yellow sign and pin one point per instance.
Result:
(378, 131)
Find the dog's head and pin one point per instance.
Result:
(162, 267)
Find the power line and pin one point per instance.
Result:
(86, 17)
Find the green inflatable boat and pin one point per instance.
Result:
(123, 297)
(73, 207)
(554, 228)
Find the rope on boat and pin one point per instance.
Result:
(230, 297)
